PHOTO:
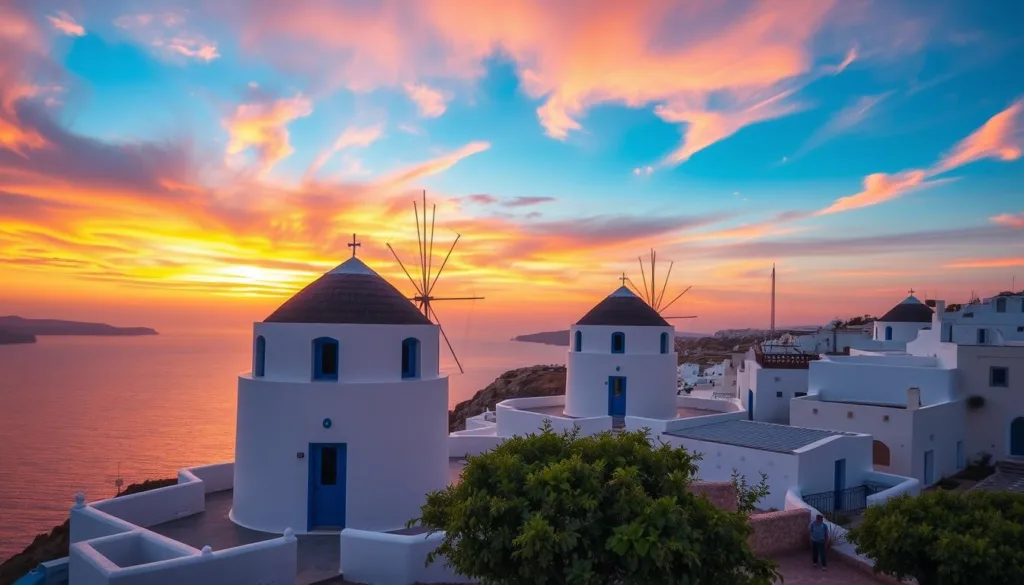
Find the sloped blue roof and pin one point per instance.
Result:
(757, 435)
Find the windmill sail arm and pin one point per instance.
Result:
(409, 276)
(432, 299)
(679, 296)
(443, 264)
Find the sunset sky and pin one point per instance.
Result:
(190, 164)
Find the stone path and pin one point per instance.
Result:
(1002, 481)
(796, 569)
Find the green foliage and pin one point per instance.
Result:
(942, 538)
(748, 496)
(557, 508)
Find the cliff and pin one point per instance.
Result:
(518, 383)
(12, 337)
(47, 547)
(20, 325)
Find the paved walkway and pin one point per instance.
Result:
(1002, 481)
(796, 569)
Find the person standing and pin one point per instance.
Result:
(819, 541)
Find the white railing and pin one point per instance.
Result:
(393, 559)
(512, 420)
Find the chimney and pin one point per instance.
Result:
(913, 398)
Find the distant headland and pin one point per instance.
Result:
(14, 329)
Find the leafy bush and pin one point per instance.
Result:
(947, 483)
(942, 538)
(978, 469)
(607, 509)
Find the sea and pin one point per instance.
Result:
(77, 413)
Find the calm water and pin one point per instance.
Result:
(74, 409)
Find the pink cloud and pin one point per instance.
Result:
(263, 127)
(353, 137)
(1009, 219)
(65, 24)
(879, 188)
(1001, 137)
(430, 102)
(166, 34)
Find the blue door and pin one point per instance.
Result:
(1017, 437)
(327, 464)
(929, 467)
(750, 405)
(616, 396)
(840, 484)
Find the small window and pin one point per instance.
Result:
(664, 343)
(1020, 330)
(799, 394)
(259, 356)
(888, 333)
(778, 394)
(618, 342)
(578, 341)
(999, 377)
(981, 337)
(1001, 305)
(325, 359)
(410, 358)
(329, 466)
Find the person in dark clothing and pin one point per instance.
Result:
(819, 541)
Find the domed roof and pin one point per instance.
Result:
(351, 293)
(910, 310)
(622, 307)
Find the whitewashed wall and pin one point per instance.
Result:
(878, 380)
(817, 463)
(460, 446)
(512, 420)
(720, 460)
(988, 428)
(767, 384)
(393, 559)
(397, 449)
(367, 353)
(650, 375)
(901, 332)
(937, 428)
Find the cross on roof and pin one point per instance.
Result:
(623, 279)
(911, 291)
(354, 245)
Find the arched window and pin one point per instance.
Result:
(259, 356)
(410, 358)
(578, 341)
(1001, 305)
(618, 342)
(880, 454)
(888, 332)
(664, 343)
(325, 358)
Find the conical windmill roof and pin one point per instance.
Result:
(623, 308)
(910, 310)
(351, 293)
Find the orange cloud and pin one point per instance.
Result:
(264, 128)
(430, 102)
(879, 188)
(1009, 219)
(987, 263)
(1001, 137)
(65, 24)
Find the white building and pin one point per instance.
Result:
(767, 381)
(949, 398)
(903, 321)
(312, 451)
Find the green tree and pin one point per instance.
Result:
(943, 538)
(554, 508)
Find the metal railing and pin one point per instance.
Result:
(852, 499)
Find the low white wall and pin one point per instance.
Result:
(654, 425)
(159, 505)
(462, 445)
(900, 485)
(716, 404)
(216, 478)
(699, 421)
(88, 523)
(513, 421)
(490, 430)
(271, 562)
(817, 462)
(393, 559)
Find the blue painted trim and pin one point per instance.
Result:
(618, 342)
(1017, 437)
(579, 341)
(664, 343)
(313, 479)
(321, 344)
(410, 358)
(888, 332)
(750, 404)
(259, 358)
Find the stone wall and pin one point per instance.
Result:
(721, 493)
(777, 533)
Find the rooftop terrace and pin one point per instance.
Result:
(681, 411)
(757, 435)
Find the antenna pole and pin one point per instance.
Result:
(773, 302)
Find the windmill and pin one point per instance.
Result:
(651, 293)
(424, 286)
